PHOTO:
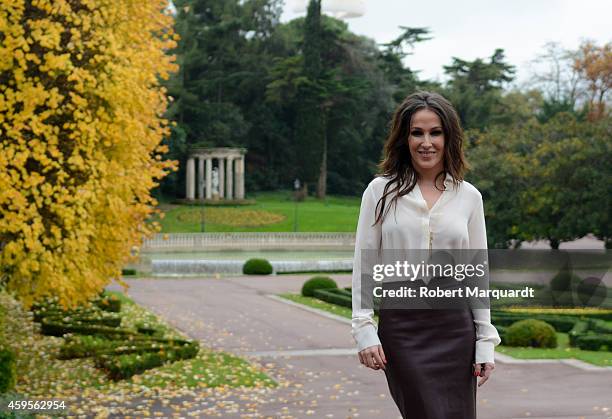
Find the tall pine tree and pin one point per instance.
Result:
(310, 121)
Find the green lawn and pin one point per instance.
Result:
(335, 214)
(563, 350)
(323, 305)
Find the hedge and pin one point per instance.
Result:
(579, 329)
(55, 327)
(88, 346)
(599, 326)
(341, 291)
(147, 329)
(560, 323)
(125, 366)
(94, 319)
(333, 298)
(594, 342)
(93, 331)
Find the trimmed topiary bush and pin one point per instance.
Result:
(56, 327)
(578, 330)
(126, 365)
(257, 267)
(531, 332)
(594, 342)
(560, 323)
(334, 298)
(316, 283)
(147, 329)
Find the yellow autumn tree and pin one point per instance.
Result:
(594, 65)
(81, 129)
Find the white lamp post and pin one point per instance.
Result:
(341, 9)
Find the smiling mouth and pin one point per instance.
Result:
(427, 153)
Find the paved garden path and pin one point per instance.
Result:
(314, 357)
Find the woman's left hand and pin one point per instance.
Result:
(483, 370)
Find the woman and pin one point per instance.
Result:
(431, 358)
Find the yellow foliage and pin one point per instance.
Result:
(80, 140)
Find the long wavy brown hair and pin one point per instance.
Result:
(397, 162)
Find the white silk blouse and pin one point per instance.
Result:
(456, 221)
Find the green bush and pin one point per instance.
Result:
(600, 326)
(87, 346)
(56, 327)
(531, 332)
(579, 329)
(257, 267)
(561, 323)
(332, 297)
(7, 370)
(110, 320)
(125, 366)
(147, 329)
(341, 291)
(594, 342)
(317, 282)
(126, 272)
(78, 346)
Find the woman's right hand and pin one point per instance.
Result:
(373, 357)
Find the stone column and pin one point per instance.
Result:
(200, 178)
(240, 178)
(208, 177)
(190, 193)
(230, 179)
(221, 177)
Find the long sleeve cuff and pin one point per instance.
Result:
(366, 336)
(485, 352)
(487, 337)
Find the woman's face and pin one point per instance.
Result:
(426, 142)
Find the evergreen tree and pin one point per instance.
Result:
(476, 87)
(310, 121)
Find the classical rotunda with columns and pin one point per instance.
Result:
(219, 174)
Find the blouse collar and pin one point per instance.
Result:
(448, 181)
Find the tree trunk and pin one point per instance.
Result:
(322, 185)
(554, 243)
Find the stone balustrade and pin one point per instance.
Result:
(180, 242)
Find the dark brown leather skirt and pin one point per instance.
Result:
(430, 354)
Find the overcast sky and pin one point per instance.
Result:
(474, 28)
